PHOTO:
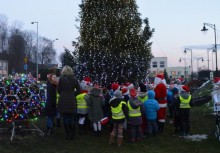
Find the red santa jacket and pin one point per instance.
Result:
(160, 95)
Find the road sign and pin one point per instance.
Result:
(25, 66)
(25, 59)
(211, 75)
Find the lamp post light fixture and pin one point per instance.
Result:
(180, 60)
(199, 58)
(185, 51)
(204, 29)
(36, 56)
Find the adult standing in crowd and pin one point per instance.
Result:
(50, 107)
(68, 88)
(160, 95)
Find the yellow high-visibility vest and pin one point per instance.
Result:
(134, 112)
(117, 112)
(81, 102)
(184, 103)
(143, 99)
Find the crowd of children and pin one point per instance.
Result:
(140, 111)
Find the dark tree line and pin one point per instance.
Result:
(16, 44)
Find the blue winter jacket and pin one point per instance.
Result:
(151, 106)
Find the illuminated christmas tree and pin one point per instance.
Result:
(112, 46)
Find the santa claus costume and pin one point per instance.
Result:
(160, 95)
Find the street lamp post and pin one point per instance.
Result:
(209, 49)
(180, 60)
(36, 51)
(185, 51)
(204, 29)
(199, 58)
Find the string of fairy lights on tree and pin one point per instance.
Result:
(112, 47)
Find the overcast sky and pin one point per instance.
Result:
(177, 24)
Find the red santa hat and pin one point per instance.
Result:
(180, 80)
(185, 88)
(133, 92)
(124, 91)
(160, 76)
(216, 80)
(115, 86)
(84, 84)
(129, 85)
(87, 79)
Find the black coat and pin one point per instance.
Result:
(68, 88)
(50, 106)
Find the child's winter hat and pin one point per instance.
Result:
(129, 85)
(124, 91)
(115, 86)
(118, 94)
(84, 84)
(133, 92)
(151, 94)
(185, 88)
(174, 90)
(142, 87)
(179, 80)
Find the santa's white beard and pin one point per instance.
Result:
(157, 81)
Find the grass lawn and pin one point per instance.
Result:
(202, 122)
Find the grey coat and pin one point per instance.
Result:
(96, 102)
(68, 88)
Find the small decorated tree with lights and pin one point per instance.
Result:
(112, 46)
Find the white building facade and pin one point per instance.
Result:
(158, 64)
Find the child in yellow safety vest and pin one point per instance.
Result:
(184, 102)
(119, 111)
(135, 107)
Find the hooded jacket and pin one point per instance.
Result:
(96, 102)
(151, 106)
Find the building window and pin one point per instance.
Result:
(154, 64)
(179, 73)
(162, 64)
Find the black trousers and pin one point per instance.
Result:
(184, 120)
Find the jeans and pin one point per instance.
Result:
(152, 126)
